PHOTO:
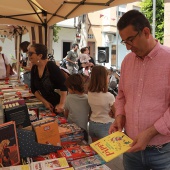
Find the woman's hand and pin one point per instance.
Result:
(59, 108)
(49, 106)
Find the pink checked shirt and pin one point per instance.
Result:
(144, 94)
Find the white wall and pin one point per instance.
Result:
(65, 35)
(8, 46)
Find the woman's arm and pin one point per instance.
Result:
(44, 101)
(60, 107)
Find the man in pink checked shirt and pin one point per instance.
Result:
(143, 101)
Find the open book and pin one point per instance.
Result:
(112, 145)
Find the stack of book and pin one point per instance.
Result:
(70, 132)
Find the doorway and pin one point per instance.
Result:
(66, 48)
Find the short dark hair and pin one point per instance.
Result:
(24, 45)
(83, 49)
(134, 18)
(74, 45)
(98, 81)
(75, 82)
(41, 49)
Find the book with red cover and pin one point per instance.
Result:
(9, 144)
(52, 155)
(72, 144)
(76, 152)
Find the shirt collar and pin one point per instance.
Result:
(153, 52)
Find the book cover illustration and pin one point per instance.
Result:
(90, 161)
(52, 155)
(94, 167)
(51, 164)
(76, 152)
(112, 145)
(18, 167)
(18, 113)
(47, 131)
(68, 128)
(72, 144)
(9, 152)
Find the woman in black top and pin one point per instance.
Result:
(46, 76)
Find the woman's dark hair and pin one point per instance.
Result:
(98, 81)
(24, 46)
(41, 49)
(134, 18)
(75, 82)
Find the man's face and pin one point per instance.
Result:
(136, 41)
(76, 48)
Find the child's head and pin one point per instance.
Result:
(75, 83)
(99, 79)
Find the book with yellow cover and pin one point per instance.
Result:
(112, 145)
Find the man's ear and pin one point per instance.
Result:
(147, 32)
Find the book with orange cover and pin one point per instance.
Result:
(112, 145)
(47, 131)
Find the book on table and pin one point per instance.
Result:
(9, 151)
(112, 145)
(17, 111)
(50, 164)
(47, 131)
(76, 152)
(90, 161)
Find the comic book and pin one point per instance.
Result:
(90, 161)
(76, 152)
(18, 167)
(50, 164)
(72, 144)
(94, 167)
(112, 145)
(9, 152)
(68, 128)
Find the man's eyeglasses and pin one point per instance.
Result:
(130, 40)
(31, 53)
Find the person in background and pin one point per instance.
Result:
(85, 50)
(46, 76)
(4, 65)
(71, 59)
(77, 109)
(101, 102)
(143, 101)
(25, 63)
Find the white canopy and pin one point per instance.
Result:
(33, 12)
